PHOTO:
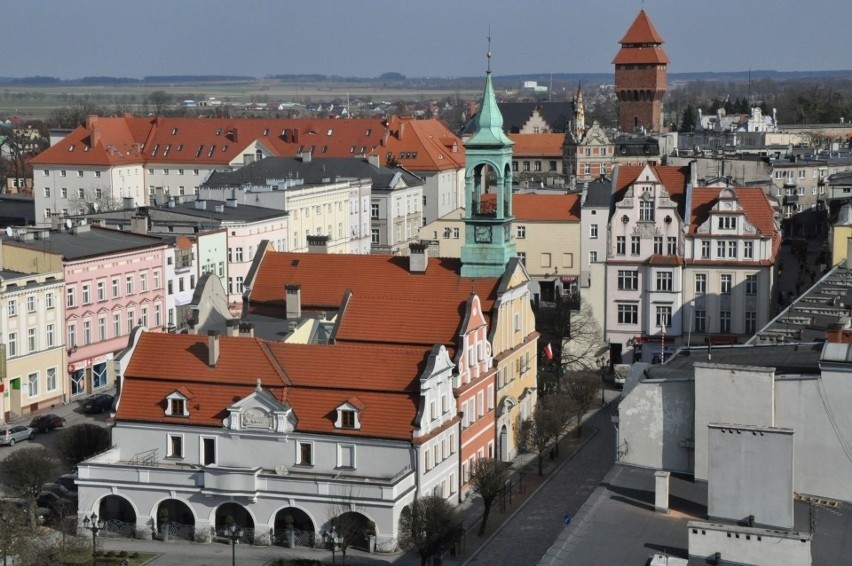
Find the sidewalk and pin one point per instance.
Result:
(183, 553)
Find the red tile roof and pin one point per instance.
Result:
(313, 379)
(641, 31)
(641, 56)
(543, 208)
(537, 145)
(674, 179)
(220, 141)
(753, 200)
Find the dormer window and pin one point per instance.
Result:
(348, 415)
(177, 403)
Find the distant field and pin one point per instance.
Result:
(37, 102)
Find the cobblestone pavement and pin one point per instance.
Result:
(525, 537)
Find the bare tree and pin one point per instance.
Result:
(540, 431)
(348, 526)
(487, 478)
(25, 472)
(579, 343)
(15, 528)
(583, 387)
(93, 199)
(427, 526)
(76, 443)
(563, 408)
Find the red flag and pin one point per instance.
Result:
(548, 351)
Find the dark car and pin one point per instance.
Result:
(60, 490)
(98, 403)
(44, 423)
(68, 481)
(59, 505)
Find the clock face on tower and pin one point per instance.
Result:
(482, 234)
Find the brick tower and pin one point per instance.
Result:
(640, 77)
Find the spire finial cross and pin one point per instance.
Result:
(488, 54)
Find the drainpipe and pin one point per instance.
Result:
(459, 452)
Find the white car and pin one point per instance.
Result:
(9, 435)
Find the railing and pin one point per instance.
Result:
(116, 528)
(147, 458)
(247, 538)
(301, 538)
(181, 531)
(386, 544)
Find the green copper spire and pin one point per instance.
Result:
(489, 121)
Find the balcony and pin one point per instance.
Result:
(791, 199)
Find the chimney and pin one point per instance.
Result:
(219, 208)
(212, 347)
(661, 491)
(231, 203)
(128, 203)
(838, 333)
(374, 160)
(171, 202)
(139, 224)
(293, 292)
(201, 204)
(247, 329)
(233, 325)
(418, 257)
(95, 137)
(306, 156)
(317, 244)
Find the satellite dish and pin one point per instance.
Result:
(68, 223)
(281, 470)
(83, 222)
(9, 232)
(95, 206)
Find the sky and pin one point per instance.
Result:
(418, 38)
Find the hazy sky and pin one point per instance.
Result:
(419, 38)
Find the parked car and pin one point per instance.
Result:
(9, 435)
(45, 423)
(59, 505)
(60, 490)
(98, 403)
(68, 481)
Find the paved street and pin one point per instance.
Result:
(525, 537)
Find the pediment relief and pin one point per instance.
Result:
(261, 412)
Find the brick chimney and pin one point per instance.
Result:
(212, 347)
(317, 244)
(293, 292)
(247, 329)
(418, 257)
(839, 333)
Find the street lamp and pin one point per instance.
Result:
(234, 532)
(93, 524)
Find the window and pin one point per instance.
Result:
(347, 419)
(177, 407)
(705, 249)
(51, 379)
(658, 245)
(620, 245)
(751, 285)
(102, 329)
(628, 280)
(750, 322)
(720, 248)
(143, 282)
(305, 454)
(87, 332)
(32, 384)
(116, 324)
(593, 257)
(87, 294)
(32, 346)
(374, 236)
(208, 451)
(526, 165)
(374, 210)
(13, 344)
(671, 245)
(48, 300)
(71, 336)
(175, 448)
(727, 222)
(700, 283)
(628, 314)
(12, 307)
(725, 284)
(31, 303)
(101, 291)
(635, 245)
(699, 318)
(128, 284)
(521, 232)
(62, 173)
(345, 455)
(114, 288)
(724, 321)
(732, 249)
(131, 322)
(664, 281)
(664, 316)
(78, 382)
(522, 257)
(69, 297)
(748, 250)
(238, 254)
(50, 335)
(593, 231)
(646, 210)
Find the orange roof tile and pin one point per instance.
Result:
(537, 145)
(753, 200)
(543, 208)
(421, 145)
(641, 56)
(641, 31)
(673, 178)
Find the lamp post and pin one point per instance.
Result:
(93, 524)
(602, 363)
(234, 533)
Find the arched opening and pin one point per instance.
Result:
(118, 516)
(179, 518)
(295, 520)
(354, 527)
(229, 514)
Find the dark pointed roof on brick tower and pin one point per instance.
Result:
(642, 31)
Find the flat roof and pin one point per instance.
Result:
(785, 358)
(93, 241)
